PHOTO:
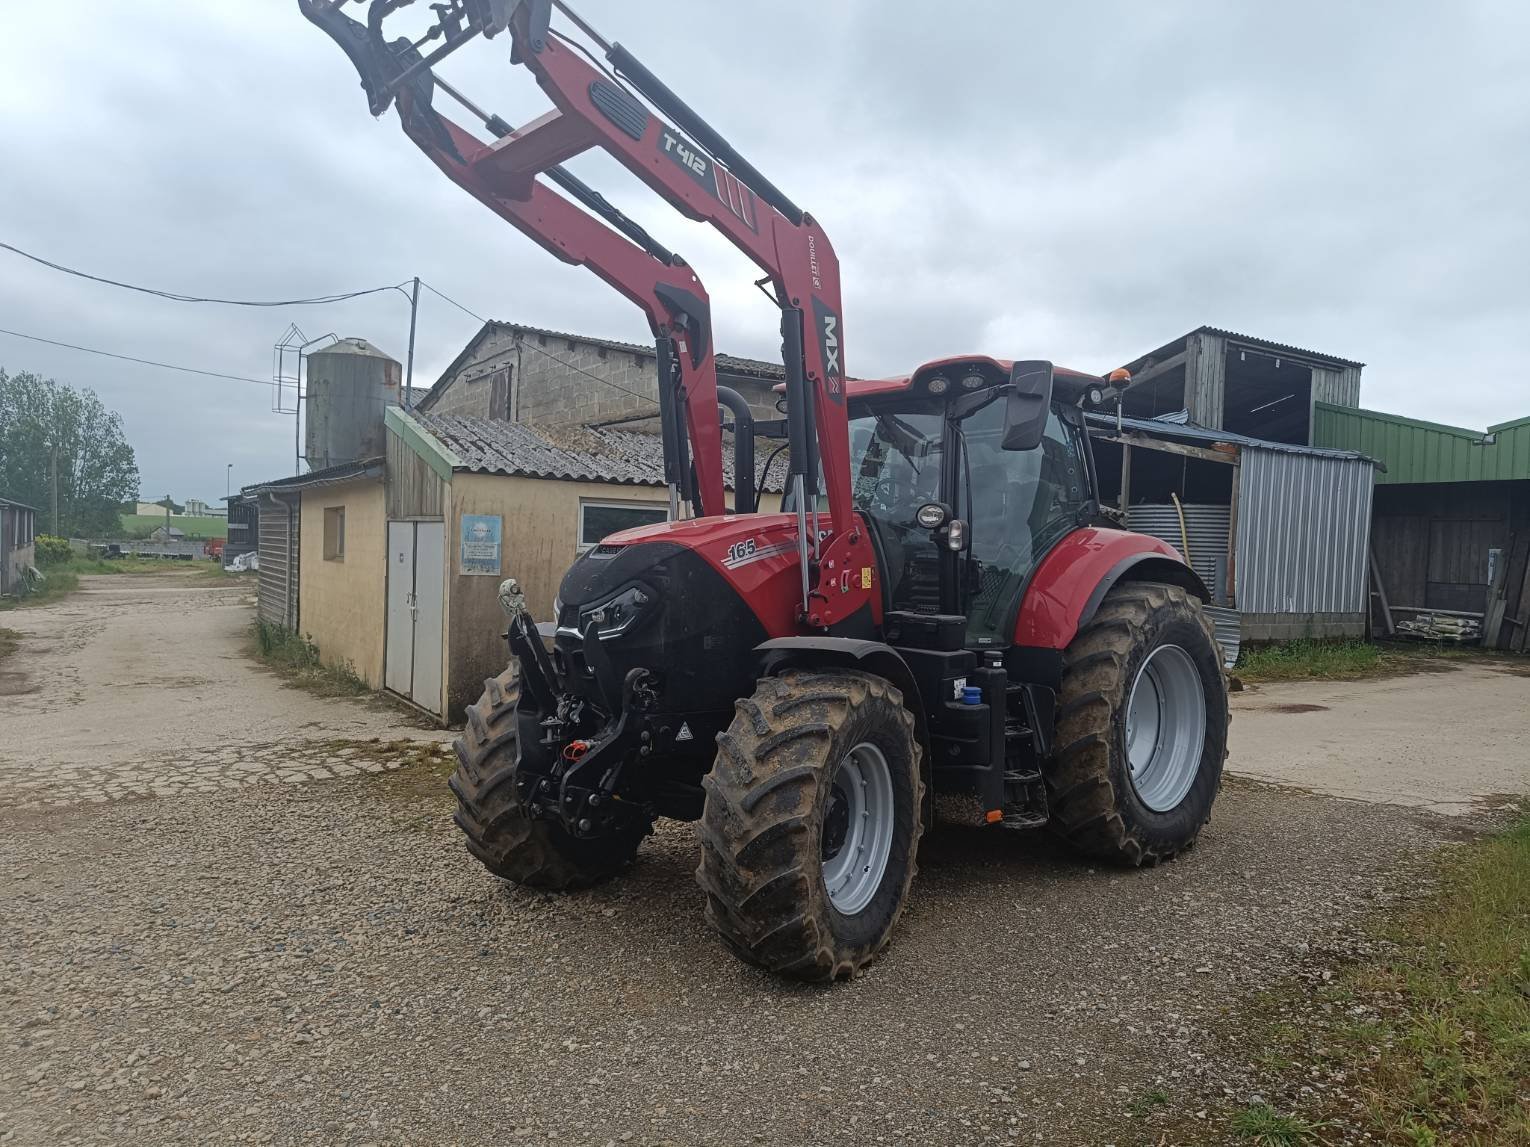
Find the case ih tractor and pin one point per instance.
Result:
(940, 626)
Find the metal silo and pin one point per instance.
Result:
(350, 384)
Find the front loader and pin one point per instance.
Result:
(941, 625)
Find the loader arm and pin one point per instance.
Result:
(693, 168)
(659, 282)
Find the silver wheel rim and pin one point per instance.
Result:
(858, 829)
(1165, 728)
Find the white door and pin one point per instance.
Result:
(429, 586)
(398, 666)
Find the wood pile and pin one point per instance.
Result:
(1438, 624)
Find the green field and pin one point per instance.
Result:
(142, 525)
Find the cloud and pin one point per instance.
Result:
(1076, 182)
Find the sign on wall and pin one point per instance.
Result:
(480, 544)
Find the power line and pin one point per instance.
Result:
(176, 297)
(453, 302)
(540, 350)
(143, 361)
(586, 373)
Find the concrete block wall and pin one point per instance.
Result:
(557, 388)
(1295, 626)
(557, 381)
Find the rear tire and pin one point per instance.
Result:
(1134, 783)
(793, 885)
(536, 853)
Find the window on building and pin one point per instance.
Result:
(334, 533)
(598, 520)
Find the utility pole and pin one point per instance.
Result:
(414, 309)
(56, 534)
(228, 483)
(167, 517)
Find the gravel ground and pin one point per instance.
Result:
(324, 963)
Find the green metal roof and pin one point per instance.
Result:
(1418, 451)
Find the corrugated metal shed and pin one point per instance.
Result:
(1303, 529)
(577, 454)
(1418, 451)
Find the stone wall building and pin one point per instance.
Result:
(514, 373)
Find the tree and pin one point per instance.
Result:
(43, 424)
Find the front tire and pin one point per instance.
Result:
(811, 823)
(537, 853)
(1142, 726)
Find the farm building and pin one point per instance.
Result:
(1451, 536)
(394, 569)
(18, 550)
(1276, 530)
(514, 373)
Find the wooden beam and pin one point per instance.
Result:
(1126, 479)
(1381, 592)
(1224, 452)
(1497, 605)
(1232, 534)
(1153, 369)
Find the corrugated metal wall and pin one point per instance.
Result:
(1303, 533)
(1208, 527)
(1417, 451)
(278, 563)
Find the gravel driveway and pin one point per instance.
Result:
(322, 963)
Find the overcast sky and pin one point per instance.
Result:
(1074, 182)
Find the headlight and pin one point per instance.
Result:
(615, 616)
(938, 385)
(973, 381)
(932, 515)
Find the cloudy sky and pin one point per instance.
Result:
(1076, 182)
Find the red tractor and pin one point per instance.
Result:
(941, 626)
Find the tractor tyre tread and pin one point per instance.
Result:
(760, 831)
(1085, 777)
(536, 853)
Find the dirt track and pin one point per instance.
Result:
(321, 962)
(139, 686)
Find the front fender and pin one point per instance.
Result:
(872, 656)
(1075, 576)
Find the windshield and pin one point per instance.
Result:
(1017, 503)
(895, 463)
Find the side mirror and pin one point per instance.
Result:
(1027, 405)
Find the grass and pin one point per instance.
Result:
(1263, 1125)
(59, 581)
(9, 640)
(1352, 660)
(297, 660)
(63, 578)
(142, 525)
(1432, 1036)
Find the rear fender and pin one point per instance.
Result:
(1075, 576)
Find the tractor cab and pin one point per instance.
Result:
(968, 473)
